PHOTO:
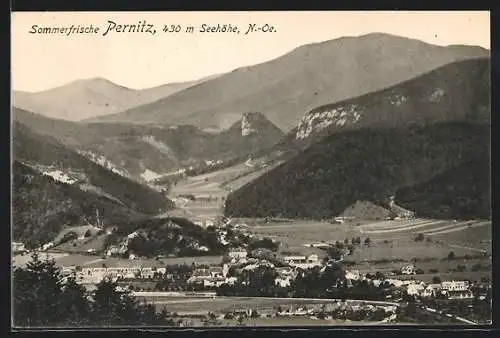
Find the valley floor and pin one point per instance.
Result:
(392, 245)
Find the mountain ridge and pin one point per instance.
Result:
(159, 149)
(322, 180)
(286, 87)
(84, 98)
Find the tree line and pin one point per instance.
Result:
(43, 297)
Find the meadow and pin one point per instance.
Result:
(189, 305)
(67, 259)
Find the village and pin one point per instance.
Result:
(321, 271)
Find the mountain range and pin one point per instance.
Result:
(354, 121)
(86, 98)
(285, 88)
(370, 147)
(135, 150)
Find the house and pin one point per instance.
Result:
(319, 245)
(18, 247)
(460, 294)
(408, 270)
(231, 280)
(147, 273)
(251, 267)
(285, 271)
(455, 285)
(352, 275)
(395, 282)
(216, 271)
(282, 281)
(67, 271)
(199, 223)
(47, 246)
(237, 253)
(431, 290)
(214, 281)
(199, 275)
(415, 289)
(303, 262)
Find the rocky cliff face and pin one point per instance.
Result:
(317, 120)
(458, 91)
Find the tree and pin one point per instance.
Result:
(74, 303)
(436, 280)
(350, 249)
(37, 293)
(367, 241)
(451, 255)
(333, 252)
(241, 320)
(43, 297)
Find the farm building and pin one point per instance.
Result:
(18, 247)
(303, 261)
(237, 253)
(408, 269)
(458, 294)
(455, 285)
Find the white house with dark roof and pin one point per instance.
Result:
(408, 269)
(237, 253)
(455, 285)
(303, 262)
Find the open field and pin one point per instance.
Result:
(209, 184)
(215, 185)
(66, 259)
(82, 245)
(389, 239)
(79, 230)
(201, 305)
(21, 260)
(246, 177)
(117, 262)
(292, 321)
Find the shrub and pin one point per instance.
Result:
(451, 255)
(476, 267)
(420, 237)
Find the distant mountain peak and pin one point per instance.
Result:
(250, 121)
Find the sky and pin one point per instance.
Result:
(142, 60)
